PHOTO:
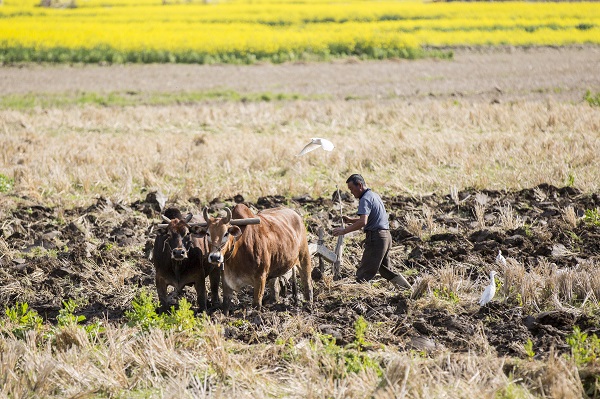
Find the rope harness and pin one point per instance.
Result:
(218, 248)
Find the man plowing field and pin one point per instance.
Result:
(373, 218)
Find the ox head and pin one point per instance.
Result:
(221, 234)
(177, 232)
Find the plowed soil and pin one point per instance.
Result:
(102, 252)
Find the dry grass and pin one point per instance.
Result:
(533, 286)
(544, 286)
(508, 219)
(569, 216)
(221, 149)
(122, 362)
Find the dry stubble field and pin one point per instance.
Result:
(493, 150)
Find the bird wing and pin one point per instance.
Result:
(308, 148)
(485, 297)
(327, 145)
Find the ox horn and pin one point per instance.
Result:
(189, 217)
(166, 219)
(228, 217)
(205, 214)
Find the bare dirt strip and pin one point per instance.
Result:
(490, 75)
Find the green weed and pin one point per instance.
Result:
(145, 317)
(570, 180)
(528, 347)
(360, 329)
(446, 294)
(6, 184)
(65, 315)
(351, 358)
(574, 237)
(182, 318)
(350, 361)
(144, 313)
(585, 349)
(593, 99)
(23, 319)
(592, 217)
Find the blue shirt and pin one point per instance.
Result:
(371, 204)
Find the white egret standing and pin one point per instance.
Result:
(316, 143)
(490, 290)
(500, 259)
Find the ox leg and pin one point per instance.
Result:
(227, 293)
(305, 272)
(294, 286)
(200, 286)
(199, 277)
(259, 291)
(161, 289)
(214, 277)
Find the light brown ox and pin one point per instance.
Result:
(249, 254)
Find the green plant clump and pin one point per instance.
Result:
(23, 319)
(446, 294)
(351, 358)
(585, 349)
(528, 347)
(592, 217)
(145, 317)
(592, 98)
(65, 315)
(6, 184)
(107, 54)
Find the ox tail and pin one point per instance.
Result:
(305, 271)
(295, 285)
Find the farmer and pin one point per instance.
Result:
(374, 219)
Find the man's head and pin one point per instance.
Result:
(356, 185)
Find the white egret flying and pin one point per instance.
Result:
(489, 292)
(500, 259)
(316, 143)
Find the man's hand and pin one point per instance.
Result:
(353, 225)
(338, 231)
(349, 220)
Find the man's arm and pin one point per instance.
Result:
(360, 222)
(349, 220)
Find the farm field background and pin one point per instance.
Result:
(492, 146)
(244, 32)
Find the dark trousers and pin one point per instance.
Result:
(376, 256)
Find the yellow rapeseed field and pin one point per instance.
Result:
(278, 30)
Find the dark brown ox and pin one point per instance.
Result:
(180, 260)
(252, 253)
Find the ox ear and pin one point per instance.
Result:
(235, 231)
(200, 231)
